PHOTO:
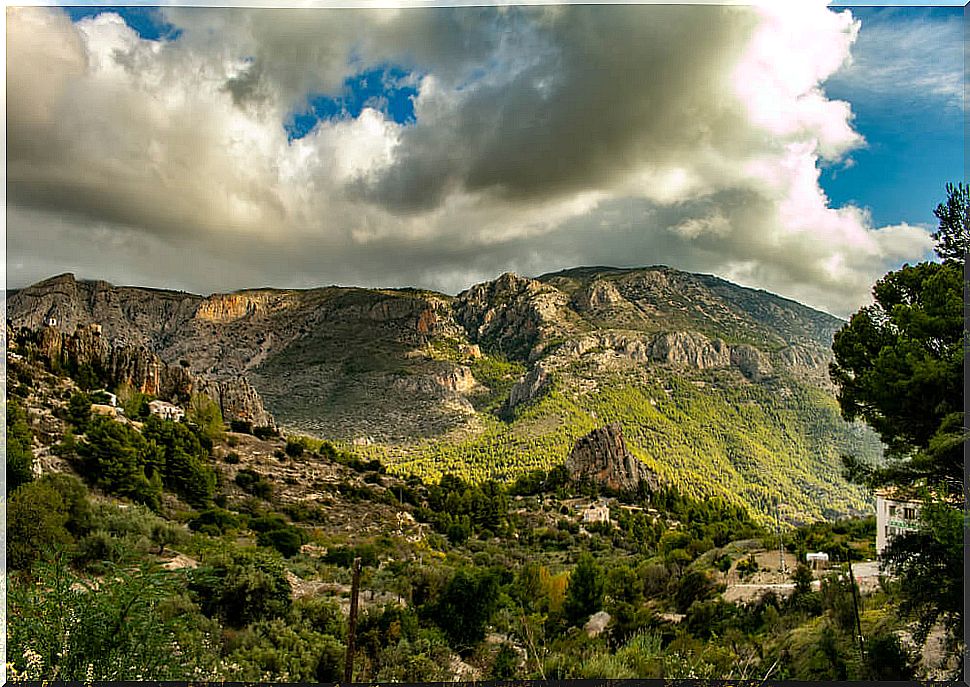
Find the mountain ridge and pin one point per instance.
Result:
(508, 374)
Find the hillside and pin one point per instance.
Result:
(719, 389)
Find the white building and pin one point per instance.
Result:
(817, 560)
(165, 410)
(597, 513)
(894, 516)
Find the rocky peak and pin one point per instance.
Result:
(602, 457)
(513, 314)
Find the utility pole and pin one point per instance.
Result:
(781, 543)
(855, 604)
(352, 623)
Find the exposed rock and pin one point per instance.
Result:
(232, 306)
(444, 384)
(513, 314)
(530, 387)
(750, 361)
(600, 294)
(601, 456)
(690, 349)
(138, 367)
(237, 399)
(115, 363)
(597, 623)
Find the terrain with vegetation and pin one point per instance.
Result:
(568, 477)
(720, 390)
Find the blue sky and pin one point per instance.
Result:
(146, 21)
(915, 138)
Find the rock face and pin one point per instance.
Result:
(529, 388)
(140, 368)
(602, 457)
(513, 315)
(238, 400)
(345, 362)
(230, 307)
(691, 350)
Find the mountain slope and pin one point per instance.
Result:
(718, 388)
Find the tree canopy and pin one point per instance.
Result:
(899, 367)
(953, 235)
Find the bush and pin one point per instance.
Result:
(265, 432)
(215, 522)
(20, 456)
(242, 588)
(285, 540)
(241, 426)
(78, 635)
(254, 483)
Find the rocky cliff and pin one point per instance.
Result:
(115, 364)
(503, 376)
(602, 457)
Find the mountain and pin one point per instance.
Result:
(718, 389)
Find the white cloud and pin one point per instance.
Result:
(908, 56)
(545, 138)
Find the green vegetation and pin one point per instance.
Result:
(20, 457)
(899, 366)
(749, 445)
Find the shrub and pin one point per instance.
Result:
(285, 540)
(265, 432)
(242, 588)
(241, 426)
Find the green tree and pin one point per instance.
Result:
(37, 520)
(20, 457)
(802, 577)
(953, 235)
(465, 606)
(242, 587)
(899, 367)
(186, 470)
(206, 415)
(584, 595)
(119, 459)
(79, 411)
(45, 516)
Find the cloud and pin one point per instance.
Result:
(908, 55)
(543, 138)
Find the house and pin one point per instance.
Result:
(165, 410)
(817, 560)
(597, 513)
(894, 516)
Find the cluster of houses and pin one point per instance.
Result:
(895, 515)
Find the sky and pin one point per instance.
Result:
(794, 147)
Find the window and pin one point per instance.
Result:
(892, 510)
(909, 513)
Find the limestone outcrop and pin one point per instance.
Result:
(602, 457)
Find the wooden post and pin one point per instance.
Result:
(352, 623)
(855, 606)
